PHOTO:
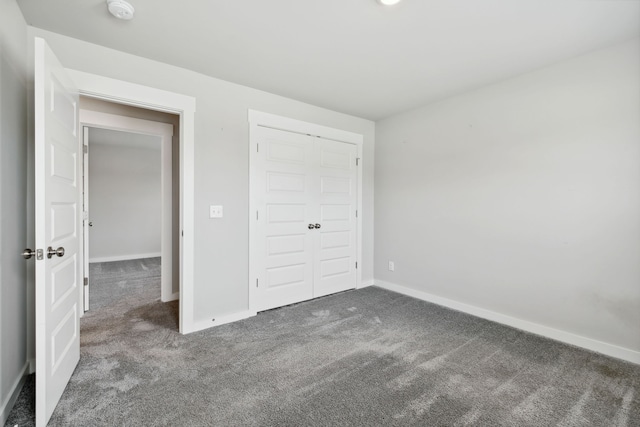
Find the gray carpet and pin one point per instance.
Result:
(361, 358)
(113, 281)
(23, 412)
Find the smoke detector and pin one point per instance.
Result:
(121, 9)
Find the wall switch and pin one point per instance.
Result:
(215, 211)
(392, 266)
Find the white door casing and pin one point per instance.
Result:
(85, 219)
(57, 225)
(305, 192)
(127, 93)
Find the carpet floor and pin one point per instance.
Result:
(360, 358)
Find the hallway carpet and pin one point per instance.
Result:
(114, 281)
(360, 358)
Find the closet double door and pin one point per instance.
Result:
(305, 237)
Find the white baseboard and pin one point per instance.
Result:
(124, 257)
(366, 284)
(525, 325)
(8, 402)
(221, 320)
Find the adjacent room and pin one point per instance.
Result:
(363, 213)
(124, 229)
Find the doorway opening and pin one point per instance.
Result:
(130, 204)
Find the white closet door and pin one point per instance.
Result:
(285, 199)
(335, 248)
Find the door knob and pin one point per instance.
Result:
(28, 253)
(51, 252)
(317, 226)
(311, 226)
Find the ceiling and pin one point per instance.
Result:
(353, 56)
(99, 136)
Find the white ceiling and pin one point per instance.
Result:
(98, 136)
(353, 56)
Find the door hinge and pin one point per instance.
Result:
(85, 149)
(256, 283)
(356, 265)
(182, 233)
(356, 213)
(256, 215)
(357, 161)
(86, 281)
(257, 148)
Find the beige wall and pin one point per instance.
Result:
(522, 198)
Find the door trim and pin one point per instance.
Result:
(262, 119)
(118, 91)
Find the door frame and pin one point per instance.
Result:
(122, 92)
(273, 121)
(164, 131)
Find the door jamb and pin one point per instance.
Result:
(259, 118)
(122, 92)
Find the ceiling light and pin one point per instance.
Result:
(121, 9)
(388, 2)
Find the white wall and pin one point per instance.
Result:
(124, 199)
(221, 162)
(13, 205)
(523, 198)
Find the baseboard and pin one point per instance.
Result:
(221, 320)
(366, 284)
(525, 325)
(124, 257)
(8, 403)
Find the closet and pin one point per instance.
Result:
(304, 200)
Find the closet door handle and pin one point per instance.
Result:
(317, 226)
(311, 226)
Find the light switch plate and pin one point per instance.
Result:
(215, 211)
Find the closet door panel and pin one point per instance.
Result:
(285, 189)
(335, 244)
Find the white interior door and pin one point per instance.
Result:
(57, 216)
(285, 199)
(335, 248)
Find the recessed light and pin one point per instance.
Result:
(121, 9)
(388, 2)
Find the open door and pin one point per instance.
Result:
(57, 230)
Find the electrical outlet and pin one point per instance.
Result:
(215, 211)
(392, 266)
